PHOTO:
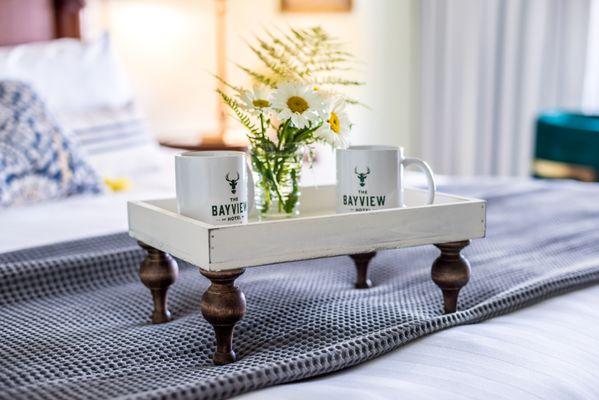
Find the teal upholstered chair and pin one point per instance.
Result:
(567, 146)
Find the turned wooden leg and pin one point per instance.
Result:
(223, 305)
(362, 260)
(451, 272)
(158, 271)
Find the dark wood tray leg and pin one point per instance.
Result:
(158, 271)
(362, 261)
(451, 272)
(223, 305)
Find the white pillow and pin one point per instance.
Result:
(115, 141)
(69, 74)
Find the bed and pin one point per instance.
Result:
(546, 350)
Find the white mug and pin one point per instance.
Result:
(371, 178)
(214, 186)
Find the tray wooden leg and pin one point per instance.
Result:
(362, 261)
(223, 305)
(451, 272)
(158, 271)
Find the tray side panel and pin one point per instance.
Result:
(316, 199)
(167, 231)
(258, 244)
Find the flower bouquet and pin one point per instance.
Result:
(294, 104)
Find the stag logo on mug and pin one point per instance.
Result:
(232, 182)
(362, 176)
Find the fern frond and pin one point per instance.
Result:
(299, 46)
(355, 102)
(333, 80)
(329, 68)
(299, 34)
(330, 59)
(241, 116)
(274, 66)
(285, 47)
(284, 59)
(309, 55)
(227, 84)
(265, 80)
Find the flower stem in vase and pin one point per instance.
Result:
(277, 179)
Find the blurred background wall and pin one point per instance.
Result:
(169, 53)
(457, 82)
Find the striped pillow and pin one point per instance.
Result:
(115, 141)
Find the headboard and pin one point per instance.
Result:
(23, 21)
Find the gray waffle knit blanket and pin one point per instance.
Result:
(74, 318)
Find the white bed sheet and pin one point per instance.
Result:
(547, 351)
(80, 217)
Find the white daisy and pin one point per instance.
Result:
(257, 99)
(299, 103)
(336, 126)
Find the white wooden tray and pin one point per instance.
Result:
(318, 232)
(222, 252)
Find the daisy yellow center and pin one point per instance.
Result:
(334, 123)
(261, 103)
(297, 104)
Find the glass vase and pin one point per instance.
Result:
(276, 179)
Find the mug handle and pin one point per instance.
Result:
(428, 172)
(250, 188)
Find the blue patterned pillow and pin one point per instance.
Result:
(37, 160)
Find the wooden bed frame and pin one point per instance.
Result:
(24, 21)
